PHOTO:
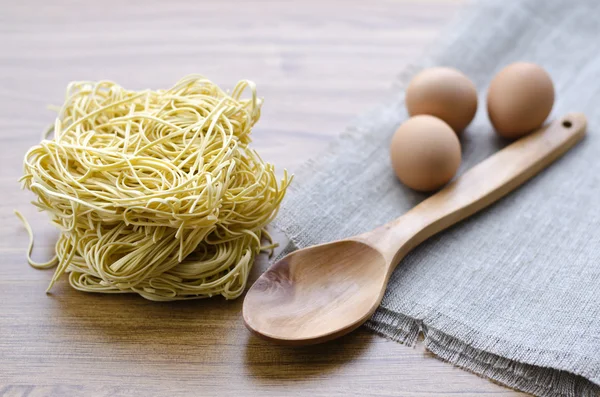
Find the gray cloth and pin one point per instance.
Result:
(513, 293)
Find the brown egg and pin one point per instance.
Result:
(445, 93)
(519, 99)
(425, 153)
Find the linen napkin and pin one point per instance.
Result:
(512, 293)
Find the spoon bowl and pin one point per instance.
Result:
(309, 295)
(322, 292)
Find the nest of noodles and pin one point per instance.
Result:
(155, 192)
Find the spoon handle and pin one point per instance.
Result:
(477, 188)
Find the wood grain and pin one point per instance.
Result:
(318, 64)
(316, 294)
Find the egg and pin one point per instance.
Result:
(445, 93)
(425, 153)
(519, 99)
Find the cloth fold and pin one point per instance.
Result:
(512, 293)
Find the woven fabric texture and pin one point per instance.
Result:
(512, 293)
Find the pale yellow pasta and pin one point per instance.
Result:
(155, 192)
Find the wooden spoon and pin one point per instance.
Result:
(322, 292)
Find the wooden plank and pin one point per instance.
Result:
(318, 64)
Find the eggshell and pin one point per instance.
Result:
(425, 153)
(445, 93)
(519, 99)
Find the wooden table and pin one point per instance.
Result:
(318, 64)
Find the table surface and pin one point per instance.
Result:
(318, 64)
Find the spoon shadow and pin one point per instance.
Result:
(265, 361)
